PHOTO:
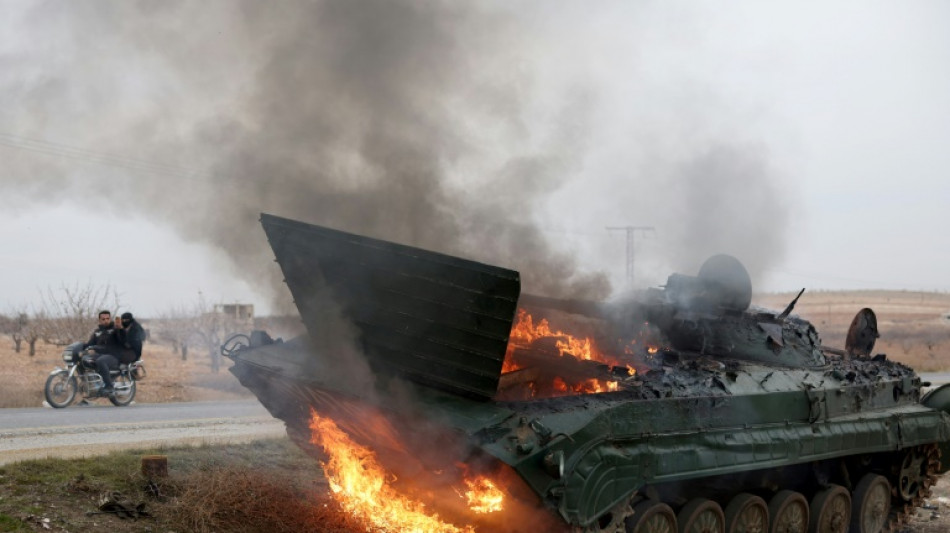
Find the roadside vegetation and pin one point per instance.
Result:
(262, 486)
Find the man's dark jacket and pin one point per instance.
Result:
(131, 339)
(102, 336)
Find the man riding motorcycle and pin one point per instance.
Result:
(90, 365)
(116, 343)
(104, 335)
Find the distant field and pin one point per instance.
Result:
(914, 326)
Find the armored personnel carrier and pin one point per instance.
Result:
(681, 408)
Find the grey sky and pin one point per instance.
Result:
(809, 139)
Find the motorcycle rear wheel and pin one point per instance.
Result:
(124, 390)
(60, 389)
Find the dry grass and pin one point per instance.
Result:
(912, 325)
(263, 486)
(225, 499)
(169, 378)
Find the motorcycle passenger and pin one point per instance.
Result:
(130, 335)
(127, 338)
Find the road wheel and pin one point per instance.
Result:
(788, 511)
(701, 516)
(747, 513)
(870, 504)
(831, 510)
(912, 473)
(651, 516)
(124, 390)
(60, 389)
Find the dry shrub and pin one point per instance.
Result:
(244, 501)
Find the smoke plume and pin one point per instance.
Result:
(361, 116)
(443, 125)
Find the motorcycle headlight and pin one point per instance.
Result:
(67, 356)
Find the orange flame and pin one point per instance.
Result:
(483, 496)
(578, 348)
(361, 485)
(587, 386)
(525, 332)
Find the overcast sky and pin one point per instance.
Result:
(140, 140)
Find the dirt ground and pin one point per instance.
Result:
(934, 516)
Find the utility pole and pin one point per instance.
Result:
(631, 237)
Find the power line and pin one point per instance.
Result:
(82, 154)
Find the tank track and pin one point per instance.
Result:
(903, 511)
(899, 517)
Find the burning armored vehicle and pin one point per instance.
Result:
(680, 410)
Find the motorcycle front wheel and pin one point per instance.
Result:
(60, 390)
(124, 390)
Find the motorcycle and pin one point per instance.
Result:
(80, 377)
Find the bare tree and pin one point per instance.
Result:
(6, 325)
(17, 331)
(211, 327)
(202, 325)
(20, 326)
(70, 314)
(16, 327)
(176, 327)
(207, 330)
(32, 329)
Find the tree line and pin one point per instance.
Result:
(69, 314)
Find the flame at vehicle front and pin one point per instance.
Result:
(364, 489)
(483, 496)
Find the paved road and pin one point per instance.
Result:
(80, 431)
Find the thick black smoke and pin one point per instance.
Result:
(362, 116)
(430, 123)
